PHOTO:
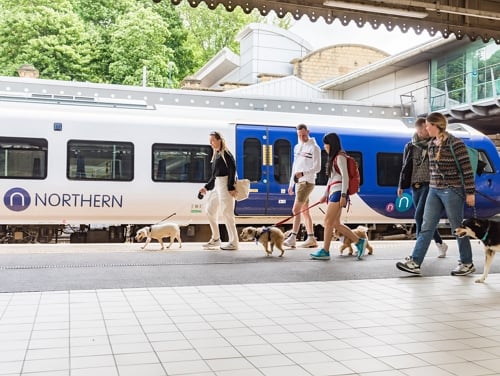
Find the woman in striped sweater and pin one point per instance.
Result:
(448, 168)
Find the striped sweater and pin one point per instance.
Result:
(445, 173)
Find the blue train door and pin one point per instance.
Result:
(265, 155)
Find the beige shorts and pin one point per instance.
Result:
(303, 190)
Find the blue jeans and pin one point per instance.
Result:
(452, 201)
(419, 196)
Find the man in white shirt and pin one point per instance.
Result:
(306, 164)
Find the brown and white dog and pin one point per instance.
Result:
(158, 232)
(266, 236)
(361, 232)
(488, 232)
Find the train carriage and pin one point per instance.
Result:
(90, 163)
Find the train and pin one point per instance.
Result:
(95, 168)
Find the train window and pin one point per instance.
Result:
(322, 178)
(488, 168)
(388, 167)
(181, 163)
(100, 160)
(23, 158)
(282, 161)
(252, 159)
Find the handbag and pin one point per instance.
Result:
(242, 187)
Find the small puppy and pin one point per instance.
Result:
(488, 231)
(265, 235)
(361, 232)
(158, 232)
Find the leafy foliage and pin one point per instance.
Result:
(113, 40)
(210, 30)
(46, 34)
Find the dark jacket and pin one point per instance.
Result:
(407, 167)
(223, 167)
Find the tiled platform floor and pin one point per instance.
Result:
(402, 326)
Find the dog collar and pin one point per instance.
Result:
(483, 239)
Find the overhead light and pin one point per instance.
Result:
(374, 9)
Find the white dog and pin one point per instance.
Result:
(158, 232)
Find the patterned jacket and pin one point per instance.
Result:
(445, 172)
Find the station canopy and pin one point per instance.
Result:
(475, 19)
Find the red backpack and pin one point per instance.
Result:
(352, 171)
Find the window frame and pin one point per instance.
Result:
(96, 143)
(393, 172)
(43, 146)
(206, 150)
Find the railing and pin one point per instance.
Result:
(476, 86)
(470, 88)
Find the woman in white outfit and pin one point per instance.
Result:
(222, 194)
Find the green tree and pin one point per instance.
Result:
(108, 18)
(138, 39)
(103, 13)
(100, 16)
(47, 34)
(210, 30)
(183, 62)
(112, 40)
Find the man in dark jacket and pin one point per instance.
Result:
(415, 174)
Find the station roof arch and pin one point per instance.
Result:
(475, 19)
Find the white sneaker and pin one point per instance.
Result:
(229, 247)
(442, 248)
(463, 269)
(310, 242)
(211, 244)
(290, 242)
(409, 266)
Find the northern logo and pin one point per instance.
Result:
(17, 199)
(404, 203)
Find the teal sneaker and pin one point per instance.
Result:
(321, 254)
(361, 245)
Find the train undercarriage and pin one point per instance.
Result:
(44, 234)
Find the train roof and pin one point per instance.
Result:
(87, 99)
(91, 94)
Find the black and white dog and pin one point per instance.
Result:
(488, 231)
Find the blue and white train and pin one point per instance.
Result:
(84, 162)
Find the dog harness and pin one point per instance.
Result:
(264, 230)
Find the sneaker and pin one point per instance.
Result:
(289, 242)
(463, 269)
(229, 247)
(310, 242)
(442, 248)
(212, 243)
(360, 246)
(321, 254)
(409, 266)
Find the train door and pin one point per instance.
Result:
(265, 155)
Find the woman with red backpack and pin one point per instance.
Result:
(336, 195)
